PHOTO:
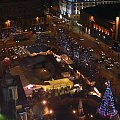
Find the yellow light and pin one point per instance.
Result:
(74, 111)
(51, 111)
(117, 27)
(92, 18)
(44, 102)
(91, 116)
(8, 23)
(37, 19)
(117, 19)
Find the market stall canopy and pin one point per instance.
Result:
(53, 84)
(66, 59)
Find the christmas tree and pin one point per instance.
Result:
(107, 107)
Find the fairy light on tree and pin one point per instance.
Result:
(107, 107)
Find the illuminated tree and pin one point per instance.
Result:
(107, 107)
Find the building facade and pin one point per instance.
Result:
(13, 101)
(71, 9)
(21, 13)
(102, 25)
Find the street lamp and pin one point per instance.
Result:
(74, 111)
(8, 23)
(37, 19)
(91, 116)
(51, 111)
(44, 102)
(91, 21)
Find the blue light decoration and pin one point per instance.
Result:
(4, 36)
(107, 107)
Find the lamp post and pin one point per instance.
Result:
(44, 102)
(37, 20)
(8, 23)
(91, 20)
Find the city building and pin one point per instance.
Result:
(102, 25)
(12, 97)
(71, 9)
(23, 13)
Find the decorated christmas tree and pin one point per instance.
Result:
(107, 107)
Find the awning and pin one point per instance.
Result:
(66, 59)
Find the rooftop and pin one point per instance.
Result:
(109, 12)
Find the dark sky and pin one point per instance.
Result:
(110, 11)
(16, 0)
